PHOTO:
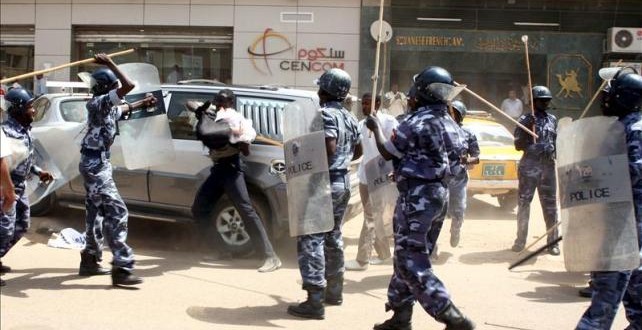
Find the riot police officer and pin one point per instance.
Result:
(320, 255)
(420, 144)
(622, 98)
(15, 221)
(537, 168)
(458, 181)
(105, 209)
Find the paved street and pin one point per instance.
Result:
(183, 292)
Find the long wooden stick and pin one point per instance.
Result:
(499, 111)
(530, 84)
(85, 61)
(375, 75)
(597, 92)
(550, 230)
(534, 253)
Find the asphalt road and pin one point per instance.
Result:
(181, 291)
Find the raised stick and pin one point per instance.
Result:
(530, 84)
(597, 92)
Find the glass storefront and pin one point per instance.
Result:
(178, 53)
(16, 52)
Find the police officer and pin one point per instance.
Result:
(420, 143)
(622, 98)
(15, 220)
(537, 168)
(227, 176)
(105, 209)
(458, 181)
(320, 255)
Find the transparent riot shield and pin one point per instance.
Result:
(308, 179)
(56, 150)
(18, 152)
(596, 196)
(382, 192)
(144, 138)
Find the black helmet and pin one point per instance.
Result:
(102, 81)
(541, 92)
(19, 99)
(460, 107)
(335, 82)
(427, 94)
(625, 90)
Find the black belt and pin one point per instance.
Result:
(95, 153)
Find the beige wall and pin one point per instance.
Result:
(335, 25)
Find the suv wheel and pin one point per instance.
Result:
(508, 201)
(44, 206)
(231, 227)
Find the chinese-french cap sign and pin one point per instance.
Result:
(465, 41)
(273, 45)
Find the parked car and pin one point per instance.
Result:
(496, 173)
(165, 192)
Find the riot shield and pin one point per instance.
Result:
(144, 137)
(56, 150)
(382, 192)
(18, 152)
(308, 179)
(596, 196)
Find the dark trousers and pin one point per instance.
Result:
(226, 176)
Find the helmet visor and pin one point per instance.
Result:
(445, 92)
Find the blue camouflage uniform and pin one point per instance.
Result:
(15, 222)
(419, 143)
(537, 170)
(457, 183)
(625, 286)
(320, 255)
(105, 207)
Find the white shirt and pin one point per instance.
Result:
(236, 120)
(513, 108)
(387, 123)
(396, 103)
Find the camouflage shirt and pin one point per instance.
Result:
(419, 144)
(633, 130)
(471, 140)
(13, 129)
(545, 128)
(338, 123)
(455, 141)
(102, 114)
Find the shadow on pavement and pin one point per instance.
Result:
(262, 316)
(367, 284)
(482, 210)
(500, 256)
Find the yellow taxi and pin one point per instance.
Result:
(496, 173)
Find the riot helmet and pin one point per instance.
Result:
(542, 92)
(19, 100)
(102, 81)
(623, 93)
(461, 110)
(336, 83)
(430, 85)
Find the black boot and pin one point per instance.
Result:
(334, 291)
(89, 265)
(400, 320)
(120, 276)
(454, 319)
(311, 308)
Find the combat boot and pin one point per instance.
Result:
(121, 276)
(400, 320)
(454, 319)
(89, 265)
(334, 291)
(311, 308)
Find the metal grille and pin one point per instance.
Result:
(266, 115)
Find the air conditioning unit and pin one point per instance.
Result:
(624, 40)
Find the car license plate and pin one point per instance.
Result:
(493, 170)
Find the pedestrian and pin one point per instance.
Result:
(458, 182)
(227, 175)
(320, 255)
(512, 106)
(622, 98)
(420, 145)
(396, 102)
(15, 217)
(368, 238)
(537, 168)
(106, 213)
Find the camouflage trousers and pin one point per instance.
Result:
(418, 206)
(457, 200)
(611, 288)
(540, 176)
(106, 213)
(15, 222)
(320, 255)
